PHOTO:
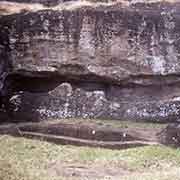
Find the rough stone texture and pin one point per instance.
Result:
(44, 2)
(114, 61)
(171, 135)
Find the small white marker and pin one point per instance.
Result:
(93, 132)
(124, 135)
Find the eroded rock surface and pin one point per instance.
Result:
(108, 61)
(44, 2)
(171, 135)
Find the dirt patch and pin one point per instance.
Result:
(87, 133)
(91, 132)
(91, 171)
(89, 129)
(107, 171)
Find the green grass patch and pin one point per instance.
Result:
(112, 123)
(25, 159)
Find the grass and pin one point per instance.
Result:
(25, 159)
(112, 123)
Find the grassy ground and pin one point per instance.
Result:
(25, 159)
(110, 123)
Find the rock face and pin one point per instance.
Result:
(44, 2)
(171, 135)
(92, 61)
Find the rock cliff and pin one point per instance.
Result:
(118, 60)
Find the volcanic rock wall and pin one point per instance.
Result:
(119, 61)
(44, 2)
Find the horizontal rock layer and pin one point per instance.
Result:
(44, 2)
(114, 61)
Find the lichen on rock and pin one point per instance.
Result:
(111, 60)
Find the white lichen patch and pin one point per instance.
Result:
(152, 1)
(63, 91)
(158, 64)
(7, 8)
(176, 99)
(12, 7)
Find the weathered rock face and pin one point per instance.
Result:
(170, 135)
(44, 2)
(114, 61)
